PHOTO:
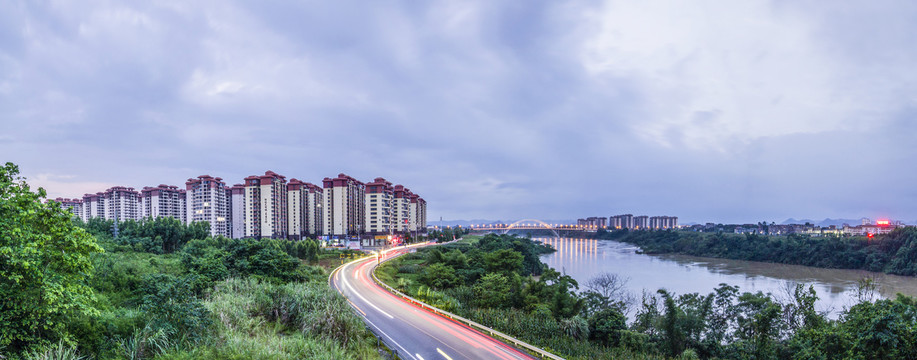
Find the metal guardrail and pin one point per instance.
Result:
(494, 333)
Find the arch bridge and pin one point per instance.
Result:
(532, 224)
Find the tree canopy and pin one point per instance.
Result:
(44, 266)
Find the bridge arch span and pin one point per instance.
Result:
(542, 223)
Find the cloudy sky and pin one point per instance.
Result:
(728, 111)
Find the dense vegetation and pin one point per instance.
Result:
(448, 234)
(162, 289)
(893, 253)
(493, 280)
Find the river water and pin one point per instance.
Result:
(583, 259)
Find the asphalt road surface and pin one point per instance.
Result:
(412, 332)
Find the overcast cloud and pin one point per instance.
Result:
(728, 111)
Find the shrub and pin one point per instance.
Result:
(492, 291)
(172, 310)
(60, 351)
(409, 269)
(605, 326)
(439, 276)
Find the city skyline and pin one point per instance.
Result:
(490, 110)
(266, 206)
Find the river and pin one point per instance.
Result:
(583, 259)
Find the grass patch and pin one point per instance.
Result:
(470, 239)
(260, 320)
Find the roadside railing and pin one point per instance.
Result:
(474, 325)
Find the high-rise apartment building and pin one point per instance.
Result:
(74, 206)
(296, 217)
(594, 222)
(421, 215)
(641, 222)
(163, 201)
(625, 221)
(315, 217)
(304, 209)
(663, 222)
(207, 199)
(118, 202)
(345, 205)
(122, 203)
(379, 207)
(237, 211)
(409, 211)
(93, 206)
(417, 214)
(266, 206)
(401, 209)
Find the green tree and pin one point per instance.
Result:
(672, 329)
(44, 266)
(759, 324)
(606, 325)
(885, 329)
(492, 291)
(503, 261)
(439, 276)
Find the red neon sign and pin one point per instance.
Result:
(883, 222)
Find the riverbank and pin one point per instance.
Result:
(893, 253)
(682, 274)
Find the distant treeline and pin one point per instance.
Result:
(893, 253)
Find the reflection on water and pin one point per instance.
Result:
(584, 258)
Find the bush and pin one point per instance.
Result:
(173, 311)
(215, 259)
(439, 276)
(409, 269)
(60, 351)
(576, 327)
(492, 291)
(605, 326)
(119, 277)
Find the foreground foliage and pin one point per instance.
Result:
(162, 289)
(44, 267)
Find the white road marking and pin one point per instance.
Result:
(389, 337)
(443, 354)
(354, 291)
(418, 356)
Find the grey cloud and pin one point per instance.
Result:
(487, 109)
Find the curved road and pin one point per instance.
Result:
(414, 333)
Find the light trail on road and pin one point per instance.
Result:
(413, 332)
